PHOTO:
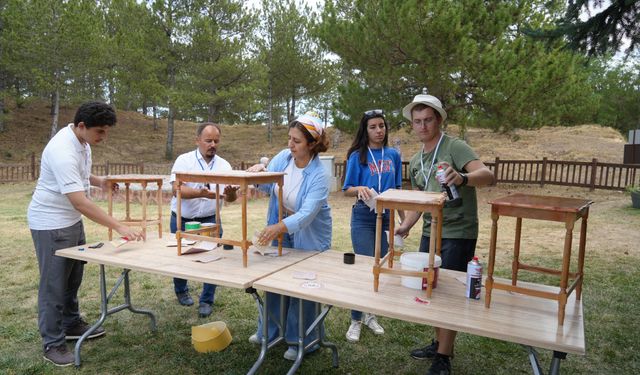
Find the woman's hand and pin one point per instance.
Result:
(257, 168)
(270, 233)
(364, 193)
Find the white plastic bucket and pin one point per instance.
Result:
(416, 261)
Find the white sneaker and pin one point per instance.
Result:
(371, 322)
(353, 334)
(254, 339)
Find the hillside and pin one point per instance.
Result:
(133, 139)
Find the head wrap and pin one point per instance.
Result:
(312, 123)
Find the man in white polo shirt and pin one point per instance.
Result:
(55, 219)
(198, 201)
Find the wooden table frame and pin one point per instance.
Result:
(143, 180)
(566, 210)
(410, 200)
(241, 178)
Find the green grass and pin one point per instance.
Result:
(611, 308)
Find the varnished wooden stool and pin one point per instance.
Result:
(410, 200)
(143, 180)
(239, 178)
(567, 210)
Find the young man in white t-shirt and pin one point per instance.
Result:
(55, 219)
(199, 202)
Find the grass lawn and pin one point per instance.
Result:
(610, 295)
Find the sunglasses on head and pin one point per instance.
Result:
(374, 112)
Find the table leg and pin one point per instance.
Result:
(110, 195)
(104, 308)
(143, 198)
(159, 202)
(492, 257)
(564, 276)
(392, 218)
(263, 343)
(515, 265)
(378, 247)
(581, 250)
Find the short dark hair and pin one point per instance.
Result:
(421, 106)
(94, 114)
(320, 145)
(204, 125)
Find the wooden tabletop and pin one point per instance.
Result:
(154, 256)
(558, 204)
(135, 178)
(231, 177)
(411, 197)
(512, 317)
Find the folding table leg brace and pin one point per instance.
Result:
(104, 307)
(554, 368)
(315, 326)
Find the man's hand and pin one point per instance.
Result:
(130, 234)
(230, 193)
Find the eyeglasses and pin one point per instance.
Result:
(424, 122)
(374, 112)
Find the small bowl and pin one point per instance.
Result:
(210, 337)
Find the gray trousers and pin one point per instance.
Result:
(60, 280)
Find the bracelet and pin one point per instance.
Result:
(465, 179)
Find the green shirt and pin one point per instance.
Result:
(459, 222)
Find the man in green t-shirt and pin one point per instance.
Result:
(460, 222)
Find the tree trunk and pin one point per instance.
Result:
(111, 93)
(270, 122)
(155, 117)
(293, 106)
(55, 110)
(1, 113)
(168, 154)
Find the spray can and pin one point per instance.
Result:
(474, 278)
(452, 192)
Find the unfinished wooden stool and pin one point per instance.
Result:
(566, 210)
(410, 200)
(143, 180)
(239, 178)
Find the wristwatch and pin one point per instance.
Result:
(465, 179)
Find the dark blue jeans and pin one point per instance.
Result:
(291, 317)
(180, 285)
(363, 235)
(455, 252)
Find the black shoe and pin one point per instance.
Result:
(441, 366)
(59, 355)
(79, 328)
(184, 298)
(205, 309)
(428, 352)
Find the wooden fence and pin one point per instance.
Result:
(590, 174)
(593, 174)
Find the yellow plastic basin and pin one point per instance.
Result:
(210, 337)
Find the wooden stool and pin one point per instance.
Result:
(241, 178)
(566, 210)
(410, 200)
(143, 180)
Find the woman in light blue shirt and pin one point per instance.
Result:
(306, 223)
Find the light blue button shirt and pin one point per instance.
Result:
(311, 223)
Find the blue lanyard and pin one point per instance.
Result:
(201, 166)
(378, 169)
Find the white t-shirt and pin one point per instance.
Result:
(194, 162)
(292, 181)
(65, 168)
